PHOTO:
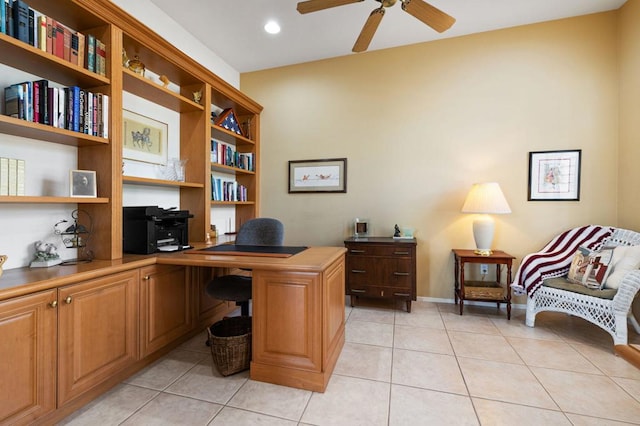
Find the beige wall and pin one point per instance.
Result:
(629, 172)
(420, 124)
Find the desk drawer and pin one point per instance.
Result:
(364, 250)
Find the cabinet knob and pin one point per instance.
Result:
(53, 304)
(146, 277)
(68, 300)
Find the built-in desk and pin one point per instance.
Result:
(298, 305)
(298, 312)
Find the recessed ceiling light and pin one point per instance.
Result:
(272, 27)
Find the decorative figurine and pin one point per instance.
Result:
(125, 58)
(197, 96)
(396, 231)
(3, 258)
(165, 81)
(136, 65)
(46, 255)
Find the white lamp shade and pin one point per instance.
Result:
(485, 198)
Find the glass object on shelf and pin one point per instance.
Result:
(174, 170)
(136, 65)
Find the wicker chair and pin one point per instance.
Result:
(610, 314)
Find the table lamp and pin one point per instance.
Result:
(485, 199)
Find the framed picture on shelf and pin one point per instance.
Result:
(554, 175)
(144, 139)
(328, 175)
(82, 183)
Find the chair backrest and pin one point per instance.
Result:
(261, 231)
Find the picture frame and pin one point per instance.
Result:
(143, 138)
(318, 176)
(82, 184)
(554, 175)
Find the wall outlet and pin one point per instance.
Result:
(484, 269)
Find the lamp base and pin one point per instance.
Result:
(481, 252)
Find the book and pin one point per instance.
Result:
(74, 102)
(19, 177)
(81, 110)
(20, 13)
(36, 103)
(62, 115)
(101, 58)
(52, 106)
(42, 32)
(4, 176)
(42, 100)
(31, 17)
(3, 16)
(91, 53)
(58, 39)
(13, 176)
(74, 49)
(66, 44)
(12, 101)
(9, 18)
(49, 34)
(81, 48)
(105, 116)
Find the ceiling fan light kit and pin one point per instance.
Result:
(428, 14)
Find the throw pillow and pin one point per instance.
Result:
(591, 268)
(625, 259)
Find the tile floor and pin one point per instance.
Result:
(430, 367)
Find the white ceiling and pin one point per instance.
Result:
(233, 29)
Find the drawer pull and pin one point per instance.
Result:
(402, 294)
(68, 300)
(402, 253)
(53, 304)
(357, 251)
(402, 274)
(354, 290)
(358, 271)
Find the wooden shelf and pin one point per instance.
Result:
(43, 132)
(154, 92)
(27, 199)
(18, 54)
(229, 169)
(133, 180)
(228, 136)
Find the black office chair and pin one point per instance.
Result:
(261, 231)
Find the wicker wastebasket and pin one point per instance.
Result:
(230, 342)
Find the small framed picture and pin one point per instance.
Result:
(329, 175)
(83, 183)
(554, 175)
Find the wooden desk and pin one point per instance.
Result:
(482, 290)
(298, 305)
(298, 312)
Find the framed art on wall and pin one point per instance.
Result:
(144, 139)
(554, 175)
(328, 175)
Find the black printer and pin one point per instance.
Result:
(147, 229)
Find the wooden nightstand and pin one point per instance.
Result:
(482, 290)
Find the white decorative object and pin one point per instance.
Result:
(485, 199)
(46, 255)
(608, 314)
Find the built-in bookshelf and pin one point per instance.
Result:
(115, 31)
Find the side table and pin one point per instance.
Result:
(482, 290)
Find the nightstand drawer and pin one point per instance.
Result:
(367, 250)
(380, 291)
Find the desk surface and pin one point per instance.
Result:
(22, 281)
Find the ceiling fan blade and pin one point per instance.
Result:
(369, 29)
(432, 16)
(316, 5)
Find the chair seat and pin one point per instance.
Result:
(230, 287)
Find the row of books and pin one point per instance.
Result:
(227, 190)
(20, 21)
(70, 108)
(11, 176)
(222, 153)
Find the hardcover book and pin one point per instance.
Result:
(4, 176)
(12, 101)
(20, 13)
(91, 53)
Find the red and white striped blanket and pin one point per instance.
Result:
(555, 258)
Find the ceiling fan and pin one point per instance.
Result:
(430, 15)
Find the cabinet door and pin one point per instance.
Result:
(97, 331)
(28, 356)
(165, 308)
